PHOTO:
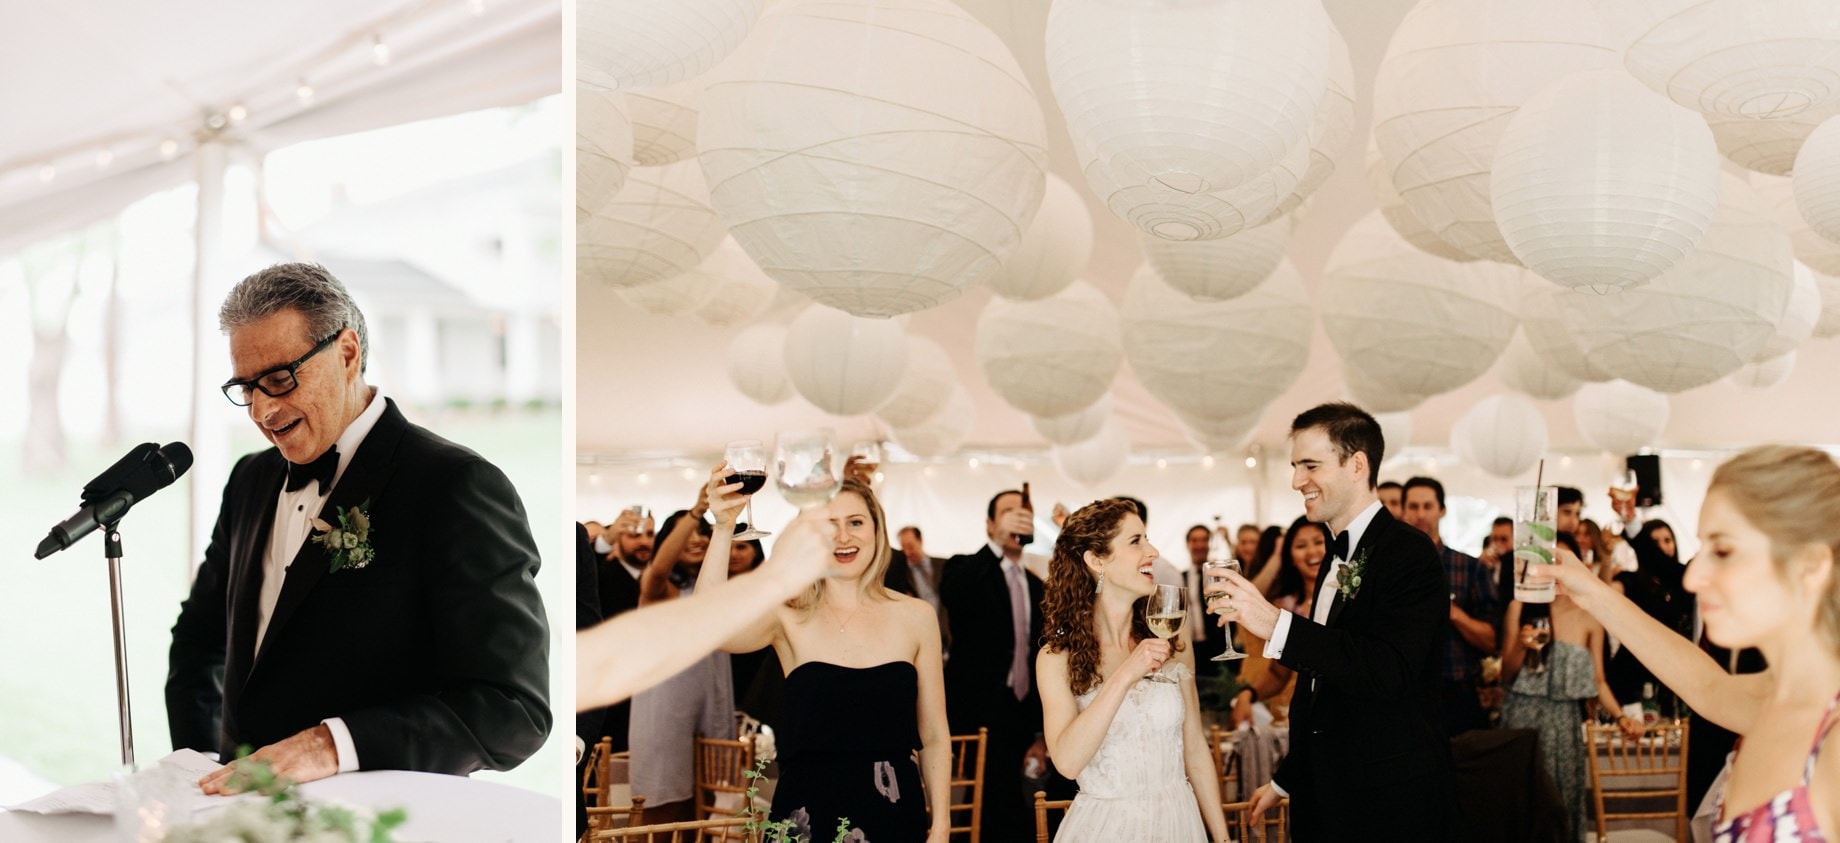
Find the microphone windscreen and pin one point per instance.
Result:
(179, 456)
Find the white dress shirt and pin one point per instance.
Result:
(294, 514)
(1320, 613)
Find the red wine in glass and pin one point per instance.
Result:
(751, 481)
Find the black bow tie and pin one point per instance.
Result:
(320, 469)
(1338, 547)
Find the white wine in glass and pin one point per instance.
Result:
(806, 467)
(1164, 612)
(1226, 564)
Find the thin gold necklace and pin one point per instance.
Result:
(832, 609)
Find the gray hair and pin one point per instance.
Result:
(305, 287)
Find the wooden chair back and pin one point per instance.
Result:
(1634, 779)
(967, 804)
(601, 817)
(721, 768)
(696, 831)
(1272, 827)
(1226, 764)
(1043, 805)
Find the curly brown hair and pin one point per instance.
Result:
(1067, 603)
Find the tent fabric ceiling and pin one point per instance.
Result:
(650, 386)
(103, 84)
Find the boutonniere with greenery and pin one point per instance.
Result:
(350, 541)
(1348, 582)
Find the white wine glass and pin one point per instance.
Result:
(1165, 610)
(806, 467)
(1225, 604)
(747, 465)
(1534, 662)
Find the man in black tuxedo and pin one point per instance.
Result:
(990, 679)
(1368, 755)
(423, 644)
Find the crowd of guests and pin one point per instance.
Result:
(867, 671)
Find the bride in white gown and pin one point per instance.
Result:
(1135, 746)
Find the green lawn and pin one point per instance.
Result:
(57, 680)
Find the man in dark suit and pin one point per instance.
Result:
(994, 607)
(419, 641)
(1368, 754)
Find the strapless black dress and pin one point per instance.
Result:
(846, 750)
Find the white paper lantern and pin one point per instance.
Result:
(1821, 254)
(1598, 183)
(1828, 324)
(659, 225)
(1217, 435)
(1395, 432)
(1704, 318)
(1050, 357)
(1074, 427)
(1054, 250)
(1766, 374)
(1620, 417)
(855, 177)
(649, 43)
(1203, 215)
(603, 146)
(1406, 321)
(1217, 360)
(681, 293)
(926, 385)
(844, 365)
(1095, 460)
(1733, 58)
(1817, 179)
(1453, 76)
(1376, 399)
(1332, 129)
(1399, 215)
(739, 291)
(1194, 96)
(1526, 372)
(757, 363)
(1765, 146)
(1504, 435)
(664, 122)
(942, 434)
(1543, 324)
(1216, 270)
(1798, 319)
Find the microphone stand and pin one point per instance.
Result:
(111, 548)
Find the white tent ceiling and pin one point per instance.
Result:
(96, 87)
(652, 386)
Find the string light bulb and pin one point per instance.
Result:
(1252, 462)
(104, 158)
(380, 52)
(47, 172)
(478, 7)
(1207, 461)
(238, 113)
(304, 93)
(168, 149)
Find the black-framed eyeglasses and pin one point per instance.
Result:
(275, 382)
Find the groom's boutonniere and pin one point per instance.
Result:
(350, 541)
(1348, 582)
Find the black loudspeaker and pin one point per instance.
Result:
(1648, 477)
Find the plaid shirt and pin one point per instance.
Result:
(1471, 590)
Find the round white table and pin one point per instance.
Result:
(442, 809)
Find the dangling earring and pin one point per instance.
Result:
(1099, 582)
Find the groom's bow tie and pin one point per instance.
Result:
(1338, 546)
(320, 469)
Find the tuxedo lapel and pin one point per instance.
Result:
(1370, 537)
(251, 547)
(370, 467)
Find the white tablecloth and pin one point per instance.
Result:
(442, 809)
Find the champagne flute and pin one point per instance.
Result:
(866, 458)
(806, 467)
(1164, 612)
(1226, 605)
(1535, 660)
(747, 465)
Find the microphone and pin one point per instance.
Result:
(141, 472)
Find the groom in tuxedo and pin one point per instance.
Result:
(419, 642)
(1368, 753)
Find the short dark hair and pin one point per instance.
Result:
(1203, 528)
(1500, 520)
(1391, 484)
(916, 532)
(1244, 527)
(1350, 429)
(1425, 483)
(990, 511)
(1143, 512)
(1569, 495)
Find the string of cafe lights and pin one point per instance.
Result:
(293, 88)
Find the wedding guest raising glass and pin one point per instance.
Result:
(1164, 612)
(806, 467)
(1536, 640)
(747, 465)
(865, 457)
(637, 525)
